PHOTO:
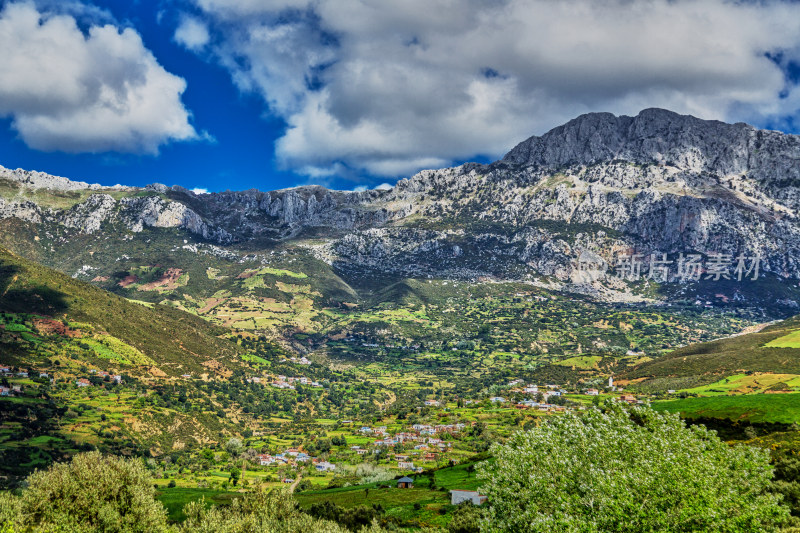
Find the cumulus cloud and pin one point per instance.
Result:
(192, 33)
(93, 92)
(200, 190)
(389, 87)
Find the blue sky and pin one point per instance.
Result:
(237, 94)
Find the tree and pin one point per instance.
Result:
(234, 447)
(627, 469)
(92, 493)
(466, 519)
(235, 474)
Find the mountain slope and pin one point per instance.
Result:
(774, 349)
(171, 341)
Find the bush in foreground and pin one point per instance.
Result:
(91, 493)
(627, 470)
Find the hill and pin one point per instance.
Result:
(84, 368)
(138, 338)
(774, 349)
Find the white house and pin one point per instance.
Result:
(458, 496)
(325, 466)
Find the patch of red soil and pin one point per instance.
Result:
(46, 326)
(127, 281)
(167, 280)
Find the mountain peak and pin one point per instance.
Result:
(653, 136)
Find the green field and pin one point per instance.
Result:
(781, 408)
(427, 503)
(792, 340)
(746, 384)
(175, 498)
(583, 362)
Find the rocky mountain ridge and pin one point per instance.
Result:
(599, 185)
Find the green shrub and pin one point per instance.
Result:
(92, 493)
(628, 470)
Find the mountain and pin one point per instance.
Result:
(338, 273)
(657, 182)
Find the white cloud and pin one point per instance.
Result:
(388, 87)
(103, 91)
(200, 190)
(192, 33)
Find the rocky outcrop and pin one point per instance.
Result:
(41, 180)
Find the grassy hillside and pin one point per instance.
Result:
(775, 350)
(70, 330)
(109, 325)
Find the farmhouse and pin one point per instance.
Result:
(405, 483)
(83, 382)
(405, 465)
(325, 466)
(458, 496)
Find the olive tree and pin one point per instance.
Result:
(91, 493)
(627, 469)
(257, 512)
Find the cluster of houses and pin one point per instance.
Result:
(13, 389)
(300, 360)
(427, 446)
(8, 391)
(83, 382)
(549, 391)
(284, 382)
(293, 457)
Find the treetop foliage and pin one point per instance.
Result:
(627, 469)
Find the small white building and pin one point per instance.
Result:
(458, 496)
(325, 466)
